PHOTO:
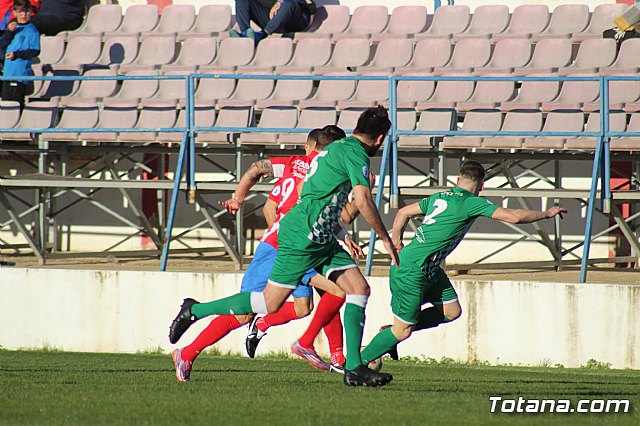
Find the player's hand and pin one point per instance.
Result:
(231, 205)
(398, 244)
(274, 10)
(393, 254)
(9, 56)
(354, 249)
(12, 26)
(554, 211)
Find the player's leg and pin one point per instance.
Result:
(444, 298)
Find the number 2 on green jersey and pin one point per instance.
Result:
(314, 165)
(440, 206)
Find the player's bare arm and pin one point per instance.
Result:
(526, 216)
(257, 170)
(270, 210)
(400, 223)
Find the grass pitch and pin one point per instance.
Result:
(77, 388)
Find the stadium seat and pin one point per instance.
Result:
(153, 115)
(448, 93)
(489, 94)
(447, 21)
(573, 94)
(53, 90)
(154, 52)
(195, 51)
(77, 113)
(172, 90)
(368, 93)
(601, 19)
(138, 18)
(365, 20)
(51, 51)
(101, 18)
(410, 92)
(94, 89)
(9, 114)
(430, 120)
(514, 121)
(204, 115)
(175, 18)
(532, 94)
(330, 92)
(548, 55)
(390, 54)
(617, 123)
(406, 119)
(628, 60)
(403, 23)
(468, 54)
(212, 20)
(559, 121)
(428, 54)
(348, 55)
(474, 121)
(486, 20)
(348, 119)
(214, 89)
(593, 54)
(308, 54)
(623, 94)
(328, 20)
(275, 117)
(81, 50)
(566, 19)
(527, 19)
(287, 93)
(508, 54)
(116, 113)
(625, 143)
(118, 50)
(35, 115)
(270, 53)
(137, 89)
(309, 118)
(232, 53)
(228, 117)
(248, 91)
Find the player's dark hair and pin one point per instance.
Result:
(373, 122)
(314, 136)
(330, 133)
(22, 5)
(472, 170)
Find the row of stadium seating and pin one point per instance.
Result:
(335, 22)
(155, 115)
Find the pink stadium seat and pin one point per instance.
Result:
(474, 121)
(53, 90)
(448, 93)
(172, 90)
(594, 54)
(508, 54)
(232, 53)
(330, 92)
(365, 20)
(274, 117)
(35, 115)
(101, 18)
(348, 54)
(430, 120)
(51, 51)
(468, 54)
(533, 93)
(76, 114)
(94, 89)
(153, 115)
(489, 94)
(403, 23)
(617, 123)
(559, 121)
(624, 143)
(175, 18)
(548, 55)
(138, 18)
(514, 121)
(248, 91)
(204, 115)
(410, 92)
(566, 19)
(116, 113)
(348, 119)
(428, 54)
(628, 60)
(137, 89)
(154, 52)
(212, 20)
(308, 54)
(214, 89)
(9, 114)
(486, 20)
(329, 19)
(623, 94)
(390, 54)
(228, 117)
(270, 53)
(368, 93)
(287, 93)
(601, 19)
(81, 50)
(310, 118)
(527, 19)
(195, 51)
(118, 50)
(447, 21)
(573, 94)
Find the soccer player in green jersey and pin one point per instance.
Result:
(306, 240)
(419, 278)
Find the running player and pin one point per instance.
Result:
(419, 278)
(306, 241)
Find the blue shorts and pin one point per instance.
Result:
(257, 274)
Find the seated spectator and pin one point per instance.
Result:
(10, 15)
(272, 16)
(59, 15)
(21, 41)
(627, 26)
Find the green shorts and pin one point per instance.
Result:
(410, 289)
(297, 255)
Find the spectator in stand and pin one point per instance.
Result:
(272, 16)
(59, 15)
(627, 26)
(21, 41)
(9, 14)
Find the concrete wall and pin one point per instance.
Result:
(503, 322)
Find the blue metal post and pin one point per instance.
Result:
(190, 122)
(393, 140)
(606, 161)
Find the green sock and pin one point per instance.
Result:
(238, 304)
(353, 327)
(429, 318)
(381, 343)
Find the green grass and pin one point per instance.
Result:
(38, 387)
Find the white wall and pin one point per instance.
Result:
(503, 322)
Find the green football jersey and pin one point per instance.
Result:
(448, 217)
(333, 172)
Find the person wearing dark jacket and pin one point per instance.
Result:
(273, 16)
(56, 16)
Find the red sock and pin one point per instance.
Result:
(285, 314)
(333, 331)
(219, 327)
(327, 308)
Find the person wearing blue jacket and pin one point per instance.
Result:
(272, 16)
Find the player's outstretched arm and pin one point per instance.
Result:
(368, 210)
(400, 223)
(526, 216)
(249, 179)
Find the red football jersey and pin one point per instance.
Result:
(290, 171)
